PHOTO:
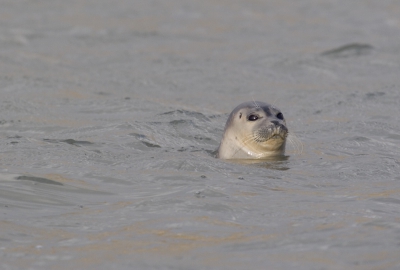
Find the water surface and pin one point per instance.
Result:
(111, 112)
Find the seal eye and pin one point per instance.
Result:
(279, 116)
(253, 117)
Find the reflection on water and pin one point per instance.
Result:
(273, 163)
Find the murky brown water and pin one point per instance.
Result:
(110, 112)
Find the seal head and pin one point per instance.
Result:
(254, 130)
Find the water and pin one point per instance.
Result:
(111, 112)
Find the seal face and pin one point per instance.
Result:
(254, 130)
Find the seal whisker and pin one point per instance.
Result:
(246, 139)
(296, 143)
(248, 143)
(255, 103)
(273, 103)
(250, 147)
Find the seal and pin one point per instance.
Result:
(254, 130)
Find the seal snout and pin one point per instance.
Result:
(273, 131)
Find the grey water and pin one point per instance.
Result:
(111, 112)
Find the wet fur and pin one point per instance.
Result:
(262, 138)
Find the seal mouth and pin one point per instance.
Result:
(274, 132)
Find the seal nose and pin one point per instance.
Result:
(276, 123)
